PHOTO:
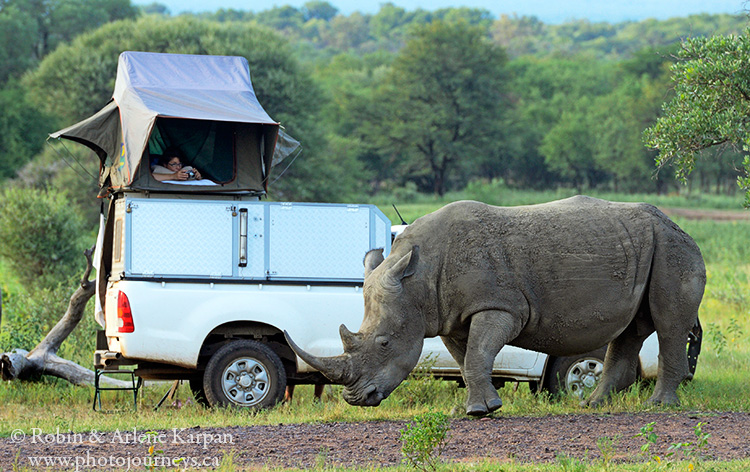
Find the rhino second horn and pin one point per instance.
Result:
(351, 341)
(337, 369)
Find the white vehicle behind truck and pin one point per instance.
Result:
(198, 280)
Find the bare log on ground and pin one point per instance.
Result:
(43, 359)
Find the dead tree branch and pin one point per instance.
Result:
(43, 359)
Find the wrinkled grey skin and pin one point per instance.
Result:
(563, 278)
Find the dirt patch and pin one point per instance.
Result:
(524, 439)
(716, 215)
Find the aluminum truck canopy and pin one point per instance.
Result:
(203, 105)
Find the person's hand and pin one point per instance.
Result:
(181, 175)
(197, 174)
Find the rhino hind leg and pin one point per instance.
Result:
(675, 294)
(620, 364)
(489, 331)
(673, 360)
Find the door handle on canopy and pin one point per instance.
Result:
(243, 237)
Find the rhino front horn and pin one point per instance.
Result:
(337, 369)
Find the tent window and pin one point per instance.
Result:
(206, 145)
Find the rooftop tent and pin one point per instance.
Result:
(203, 105)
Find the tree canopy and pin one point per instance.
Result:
(31, 29)
(711, 104)
(380, 101)
(443, 102)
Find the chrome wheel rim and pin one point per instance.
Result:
(583, 376)
(245, 382)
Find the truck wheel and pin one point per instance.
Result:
(575, 374)
(244, 374)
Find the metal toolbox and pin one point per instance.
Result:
(177, 238)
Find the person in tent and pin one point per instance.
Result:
(170, 167)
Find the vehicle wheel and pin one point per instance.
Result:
(695, 338)
(575, 374)
(196, 387)
(244, 374)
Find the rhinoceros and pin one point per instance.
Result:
(563, 278)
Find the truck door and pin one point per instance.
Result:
(176, 238)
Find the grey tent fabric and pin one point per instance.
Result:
(100, 131)
(157, 86)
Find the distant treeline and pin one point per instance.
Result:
(319, 24)
(397, 100)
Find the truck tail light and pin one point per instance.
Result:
(124, 315)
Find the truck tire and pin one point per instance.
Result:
(244, 374)
(574, 374)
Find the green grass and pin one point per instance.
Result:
(413, 205)
(562, 464)
(498, 194)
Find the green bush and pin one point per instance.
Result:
(423, 388)
(424, 439)
(27, 318)
(41, 237)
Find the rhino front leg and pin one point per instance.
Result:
(456, 345)
(489, 331)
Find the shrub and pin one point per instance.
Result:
(424, 439)
(40, 236)
(423, 388)
(28, 318)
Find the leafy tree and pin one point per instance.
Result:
(347, 32)
(442, 102)
(519, 35)
(40, 236)
(553, 99)
(568, 147)
(350, 111)
(17, 36)
(285, 18)
(22, 129)
(711, 104)
(31, 29)
(617, 122)
(473, 16)
(388, 19)
(320, 10)
(156, 8)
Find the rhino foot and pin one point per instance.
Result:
(593, 404)
(482, 409)
(664, 400)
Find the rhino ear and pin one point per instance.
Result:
(373, 258)
(405, 267)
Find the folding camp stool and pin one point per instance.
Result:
(135, 385)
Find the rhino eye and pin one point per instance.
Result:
(383, 341)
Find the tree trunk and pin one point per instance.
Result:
(43, 359)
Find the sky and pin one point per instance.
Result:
(549, 11)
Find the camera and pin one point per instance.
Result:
(191, 174)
